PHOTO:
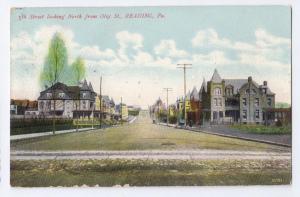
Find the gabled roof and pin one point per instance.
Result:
(216, 77)
(91, 87)
(106, 99)
(236, 83)
(195, 94)
(74, 92)
(269, 92)
(203, 86)
(84, 85)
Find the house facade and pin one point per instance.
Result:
(67, 101)
(235, 100)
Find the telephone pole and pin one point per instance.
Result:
(184, 67)
(168, 109)
(100, 115)
(121, 105)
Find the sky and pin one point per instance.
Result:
(137, 57)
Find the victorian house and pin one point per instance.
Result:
(235, 100)
(67, 101)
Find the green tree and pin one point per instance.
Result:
(78, 70)
(55, 64)
(78, 73)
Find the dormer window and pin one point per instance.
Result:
(84, 95)
(229, 91)
(49, 95)
(61, 95)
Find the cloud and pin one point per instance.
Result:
(266, 53)
(94, 53)
(213, 58)
(126, 39)
(266, 40)
(168, 48)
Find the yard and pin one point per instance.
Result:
(262, 129)
(149, 172)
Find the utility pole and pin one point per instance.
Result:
(168, 109)
(184, 66)
(100, 115)
(121, 105)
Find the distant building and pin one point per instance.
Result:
(19, 107)
(278, 116)
(107, 106)
(70, 101)
(122, 111)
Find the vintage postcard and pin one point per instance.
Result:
(151, 96)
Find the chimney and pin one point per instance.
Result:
(249, 79)
(265, 83)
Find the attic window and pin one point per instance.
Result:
(229, 91)
(61, 95)
(49, 95)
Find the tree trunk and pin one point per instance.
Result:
(54, 117)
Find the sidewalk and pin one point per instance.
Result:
(203, 154)
(281, 140)
(34, 135)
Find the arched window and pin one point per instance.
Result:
(217, 91)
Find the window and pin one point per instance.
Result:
(221, 114)
(41, 105)
(61, 95)
(84, 104)
(84, 95)
(216, 102)
(229, 91)
(256, 102)
(244, 114)
(265, 90)
(217, 91)
(244, 101)
(49, 95)
(257, 114)
(48, 105)
(269, 101)
(215, 115)
(219, 102)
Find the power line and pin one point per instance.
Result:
(168, 109)
(184, 67)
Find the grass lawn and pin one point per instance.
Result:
(149, 172)
(141, 135)
(262, 129)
